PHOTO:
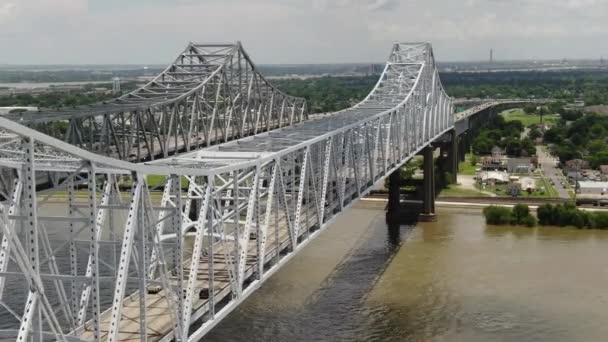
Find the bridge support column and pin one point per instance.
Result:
(462, 147)
(428, 205)
(394, 194)
(453, 158)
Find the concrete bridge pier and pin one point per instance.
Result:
(428, 205)
(463, 146)
(394, 193)
(453, 158)
(450, 157)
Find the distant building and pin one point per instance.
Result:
(528, 184)
(514, 188)
(497, 152)
(592, 188)
(604, 169)
(520, 165)
(493, 177)
(489, 163)
(494, 162)
(576, 165)
(116, 85)
(574, 177)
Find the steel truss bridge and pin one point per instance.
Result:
(257, 180)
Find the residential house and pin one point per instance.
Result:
(575, 165)
(497, 152)
(496, 161)
(520, 165)
(493, 177)
(528, 184)
(592, 188)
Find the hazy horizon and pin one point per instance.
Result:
(156, 66)
(63, 32)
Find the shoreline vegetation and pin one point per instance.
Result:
(517, 216)
(558, 215)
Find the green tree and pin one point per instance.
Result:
(520, 212)
(474, 160)
(553, 135)
(513, 147)
(497, 215)
(535, 133)
(482, 145)
(546, 215)
(530, 109)
(528, 146)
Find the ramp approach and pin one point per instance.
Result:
(90, 262)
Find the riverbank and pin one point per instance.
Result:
(457, 279)
(479, 203)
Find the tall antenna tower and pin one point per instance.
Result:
(491, 56)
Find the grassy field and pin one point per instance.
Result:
(548, 191)
(465, 167)
(528, 119)
(457, 191)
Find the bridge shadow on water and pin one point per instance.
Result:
(337, 310)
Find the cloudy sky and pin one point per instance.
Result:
(298, 31)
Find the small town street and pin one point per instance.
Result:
(550, 171)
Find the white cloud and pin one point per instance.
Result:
(6, 11)
(370, 5)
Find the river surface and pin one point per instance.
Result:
(453, 280)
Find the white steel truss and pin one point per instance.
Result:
(164, 249)
(210, 94)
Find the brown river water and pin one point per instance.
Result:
(452, 280)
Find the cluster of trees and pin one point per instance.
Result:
(584, 137)
(519, 215)
(568, 215)
(52, 100)
(335, 93)
(328, 94)
(80, 75)
(588, 85)
(504, 134)
(561, 215)
(552, 107)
